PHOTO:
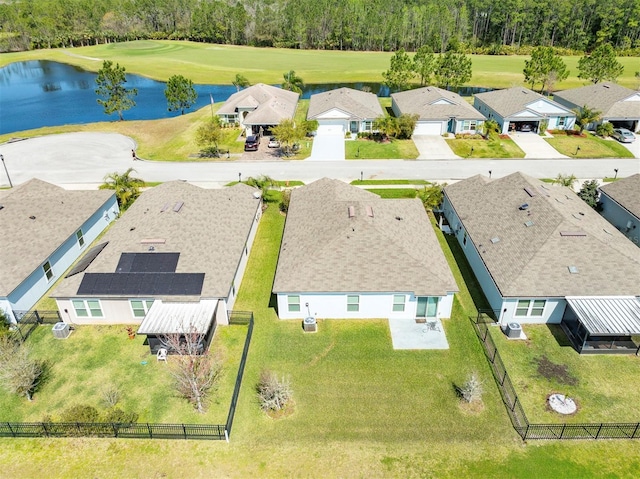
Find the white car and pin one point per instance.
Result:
(273, 142)
(623, 135)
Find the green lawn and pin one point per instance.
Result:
(391, 193)
(500, 148)
(590, 146)
(208, 63)
(93, 358)
(375, 150)
(601, 395)
(389, 182)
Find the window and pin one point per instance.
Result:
(48, 272)
(561, 121)
(353, 303)
(294, 303)
(80, 238)
(367, 125)
(140, 307)
(87, 308)
(398, 302)
(533, 307)
(469, 125)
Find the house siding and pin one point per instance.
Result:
(620, 218)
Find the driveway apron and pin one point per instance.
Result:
(327, 146)
(433, 147)
(534, 146)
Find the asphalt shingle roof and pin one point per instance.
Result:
(325, 250)
(356, 103)
(625, 192)
(272, 104)
(605, 97)
(534, 260)
(432, 103)
(513, 100)
(209, 232)
(27, 243)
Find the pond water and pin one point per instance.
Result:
(41, 93)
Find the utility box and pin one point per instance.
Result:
(61, 330)
(309, 325)
(513, 330)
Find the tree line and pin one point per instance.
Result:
(472, 26)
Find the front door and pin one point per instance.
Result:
(421, 309)
(354, 127)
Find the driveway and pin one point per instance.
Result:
(327, 146)
(433, 147)
(634, 146)
(534, 146)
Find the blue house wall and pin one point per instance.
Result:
(621, 218)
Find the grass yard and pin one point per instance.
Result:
(394, 193)
(388, 182)
(590, 146)
(94, 358)
(546, 363)
(375, 150)
(214, 63)
(501, 148)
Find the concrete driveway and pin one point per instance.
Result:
(327, 146)
(534, 146)
(433, 147)
(633, 147)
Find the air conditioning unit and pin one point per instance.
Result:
(513, 330)
(309, 325)
(61, 330)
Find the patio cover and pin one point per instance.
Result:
(607, 315)
(172, 317)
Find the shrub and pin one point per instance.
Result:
(274, 393)
(284, 202)
(472, 390)
(111, 395)
(604, 129)
(117, 415)
(80, 413)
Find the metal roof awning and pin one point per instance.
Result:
(178, 317)
(607, 315)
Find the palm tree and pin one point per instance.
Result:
(386, 125)
(565, 180)
(586, 115)
(127, 187)
(263, 183)
(292, 82)
(240, 81)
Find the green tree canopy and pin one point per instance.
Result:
(600, 65)
(586, 115)
(400, 71)
(208, 135)
(424, 64)
(127, 187)
(589, 193)
(545, 67)
(240, 82)
(288, 133)
(292, 82)
(115, 97)
(180, 93)
(453, 70)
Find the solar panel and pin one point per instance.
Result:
(142, 284)
(87, 259)
(148, 263)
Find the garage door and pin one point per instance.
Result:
(331, 128)
(428, 128)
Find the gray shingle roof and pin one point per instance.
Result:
(432, 103)
(324, 250)
(357, 104)
(27, 243)
(272, 104)
(209, 232)
(534, 260)
(605, 97)
(625, 192)
(513, 100)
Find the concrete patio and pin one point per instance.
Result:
(407, 334)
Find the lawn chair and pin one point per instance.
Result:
(162, 355)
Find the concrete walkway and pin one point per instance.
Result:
(407, 334)
(534, 146)
(327, 146)
(433, 147)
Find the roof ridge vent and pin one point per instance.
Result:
(352, 211)
(369, 210)
(178, 206)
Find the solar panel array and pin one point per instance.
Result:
(142, 284)
(87, 259)
(148, 263)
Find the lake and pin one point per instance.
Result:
(41, 93)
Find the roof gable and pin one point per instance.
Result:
(508, 102)
(333, 114)
(432, 103)
(600, 96)
(352, 103)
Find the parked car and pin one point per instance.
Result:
(623, 135)
(526, 127)
(252, 143)
(273, 142)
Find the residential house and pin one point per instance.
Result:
(174, 261)
(617, 104)
(439, 111)
(344, 110)
(542, 255)
(259, 107)
(45, 229)
(620, 205)
(347, 253)
(519, 108)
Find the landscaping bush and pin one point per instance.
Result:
(19, 373)
(472, 390)
(80, 413)
(284, 202)
(604, 129)
(274, 393)
(111, 395)
(117, 415)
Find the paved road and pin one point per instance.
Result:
(85, 158)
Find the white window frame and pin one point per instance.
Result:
(146, 305)
(399, 301)
(80, 238)
(48, 272)
(293, 303)
(562, 120)
(353, 303)
(367, 125)
(89, 312)
(533, 309)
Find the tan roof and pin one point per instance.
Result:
(270, 104)
(432, 103)
(625, 192)
(209, 231)
(27, 243)
(513, 100)
(606, 98)
(534, 260)
(324, 250)
(357, 104)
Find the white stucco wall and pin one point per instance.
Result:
(114, 311)
(553, 311)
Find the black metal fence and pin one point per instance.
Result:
(28, 321)
(135, 430)
(516, 412)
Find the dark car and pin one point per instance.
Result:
(252, 143)
(526, 127)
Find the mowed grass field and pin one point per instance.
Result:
(218, 64)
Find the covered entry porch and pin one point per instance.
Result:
(603, 325)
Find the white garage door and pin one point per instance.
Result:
(428, 128)
(331, 128)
